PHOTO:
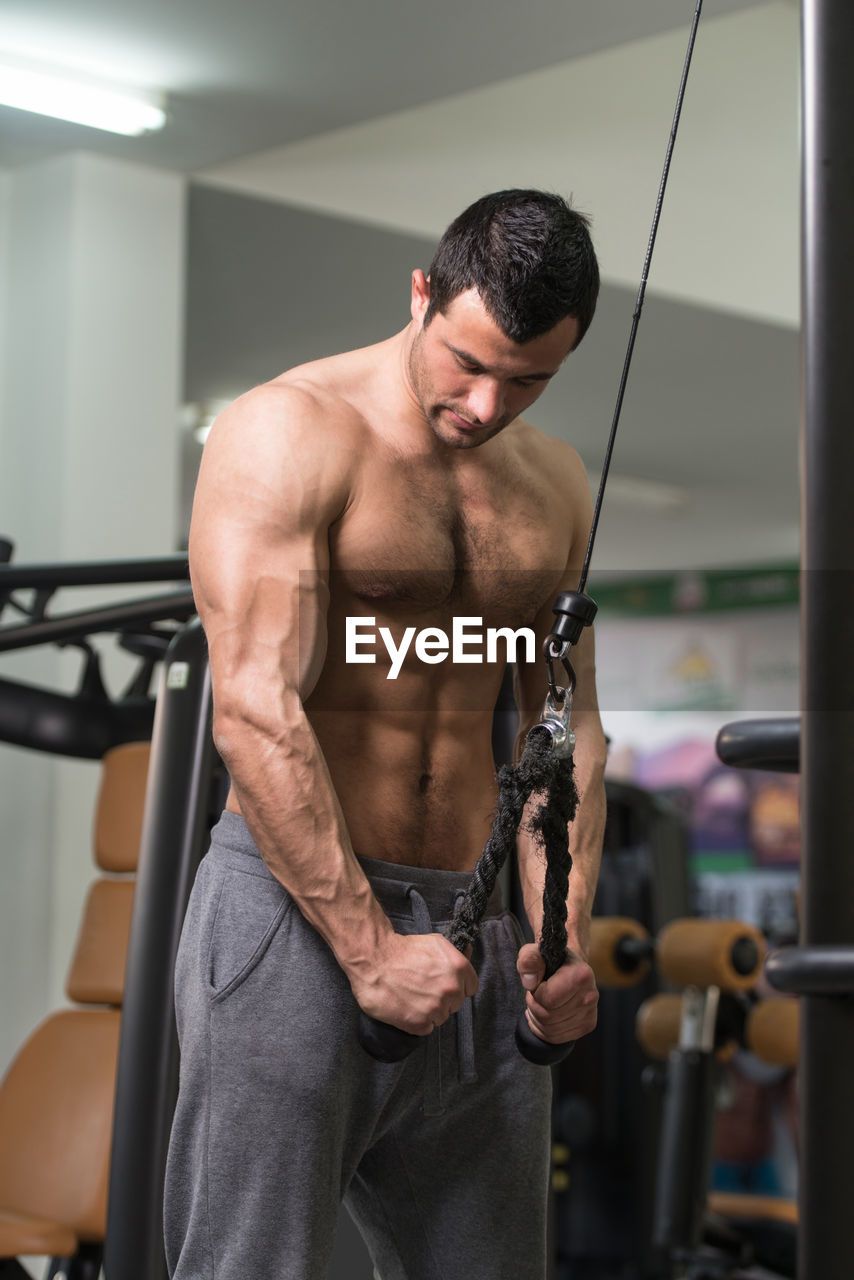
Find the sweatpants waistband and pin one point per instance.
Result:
(391, 882)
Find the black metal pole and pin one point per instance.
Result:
(91, 573)
(179, 805)
(827, 684)
(685, 1152)
(77, 626)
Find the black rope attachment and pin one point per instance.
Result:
(546, 773)
(543, 773)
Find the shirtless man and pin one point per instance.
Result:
(396, 483)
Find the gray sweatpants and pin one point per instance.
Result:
(442, 1159)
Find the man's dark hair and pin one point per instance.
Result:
(530, 257)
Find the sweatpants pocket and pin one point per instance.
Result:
(249, 912)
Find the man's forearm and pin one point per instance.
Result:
(289, 804)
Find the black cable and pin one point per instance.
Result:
(641, 292)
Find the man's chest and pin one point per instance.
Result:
(490, 543)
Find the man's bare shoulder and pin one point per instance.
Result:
(342, 384)
(296, 405)
(552, 460)
(555, 471)
(284, 445)
(297, 414)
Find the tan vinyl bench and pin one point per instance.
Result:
(56, 1100)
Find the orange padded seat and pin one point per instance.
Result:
(731, 1204)
(56, 1101)
(97, 973)
(22, 1234)
(56, 1118)
(121, 800)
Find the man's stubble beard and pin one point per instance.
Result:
(432, 416)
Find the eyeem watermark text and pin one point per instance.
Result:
(432, 645)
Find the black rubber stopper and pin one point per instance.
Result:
(631, 952)
(540, 1052)
(573, 612)
(744, 956)
(385, 1042)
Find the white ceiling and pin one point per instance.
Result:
(243, 77)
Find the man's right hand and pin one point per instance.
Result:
(415, 982)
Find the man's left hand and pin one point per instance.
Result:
(563, 1007)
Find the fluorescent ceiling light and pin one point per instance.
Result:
(203, 430)
(199, 418)
(57, 94)
(649, 495)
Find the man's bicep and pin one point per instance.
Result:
(259, 559)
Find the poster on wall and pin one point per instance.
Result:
(672, 668)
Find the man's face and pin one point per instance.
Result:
(469, 378)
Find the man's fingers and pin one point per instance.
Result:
(549, 1014)
(530, 966)
(571, 1026)
(472, 982)
(565, 1006)
(422, 981)
(553, 995)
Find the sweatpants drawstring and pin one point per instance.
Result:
(467, 1072)
(420, 911)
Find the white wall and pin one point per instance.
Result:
(94, 253)
(5, 205)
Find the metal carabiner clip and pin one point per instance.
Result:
(555, 718)
(557, 650)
